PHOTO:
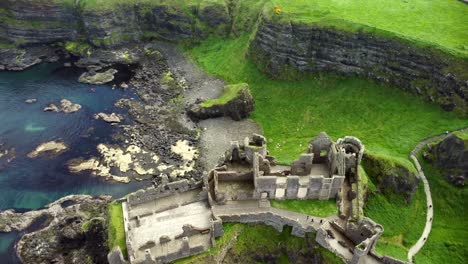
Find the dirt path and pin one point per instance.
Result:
(430, 208)
(216, 134)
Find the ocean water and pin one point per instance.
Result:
(28, 183)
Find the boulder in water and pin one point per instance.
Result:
(51, 108)
(66, 106)
(30, 101)
(93, 77)
(69, 107)
(51, 149)
(112, 118)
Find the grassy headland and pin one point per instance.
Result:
(389, 121)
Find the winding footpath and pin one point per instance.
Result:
(430, 208)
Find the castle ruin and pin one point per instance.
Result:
(183, 218)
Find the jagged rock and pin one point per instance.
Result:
(76, 230)
(98, 77)
(451, 156)
(7, 155)
(124, 85)
(68, 107)
(112, 118)
(51, 149)
(236, 102)
(51, 108)
(30, 101)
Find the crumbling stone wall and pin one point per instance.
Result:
(151, 194)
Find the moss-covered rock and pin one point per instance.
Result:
(391, 175)
(235, 102)
(451, 156)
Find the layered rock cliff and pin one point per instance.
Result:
(33, 22)
(284, 48)
(25, 22)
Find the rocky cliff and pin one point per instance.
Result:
(390, 175)
(33, 22)
(451, 156)
(285, 48)
(25, 22)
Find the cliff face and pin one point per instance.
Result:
(390, 176)
(288, 48)
(34, 22)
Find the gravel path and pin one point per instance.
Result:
(217, 133)
(430, 208)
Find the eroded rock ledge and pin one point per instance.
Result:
(70, 228)
(236, 102)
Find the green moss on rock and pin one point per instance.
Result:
(230, 92)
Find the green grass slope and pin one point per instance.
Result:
(440, 23)
(308, 207)
(403, 223)
(448, 240)
(116, 230)
(388, 121)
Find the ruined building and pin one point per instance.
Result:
(183, 218)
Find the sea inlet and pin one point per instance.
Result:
(27, 183)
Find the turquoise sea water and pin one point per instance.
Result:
(32, 183)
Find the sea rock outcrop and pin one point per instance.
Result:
(390, 175)
(451, 156)
(112, 118)
(93, 77)
(287, 49)
(236, 102)
(7, 155)
(66, 106)
(50, 149)
(71, 228)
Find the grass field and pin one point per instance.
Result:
(229, 93)
(116, 230)
(443, 23)
(448, 240)
(389, 121)
(308, 207)
(403, 223)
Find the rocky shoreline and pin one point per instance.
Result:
(70, 228)
(152, 146)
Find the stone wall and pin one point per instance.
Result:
(151, 194)
(309, 187)
(281, 48)
(273, 218)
